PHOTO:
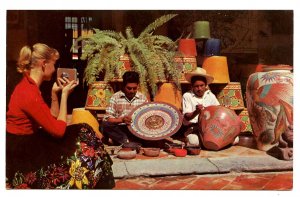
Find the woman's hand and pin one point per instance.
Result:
(69, 87)
(58, 85)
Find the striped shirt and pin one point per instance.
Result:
(120, 106)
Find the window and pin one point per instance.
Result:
(80, 26)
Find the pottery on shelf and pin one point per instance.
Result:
(212, 47)
(217, 67)
(269, 97)
(201, 30)
(169, 93)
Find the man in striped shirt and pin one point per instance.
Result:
(121, 103)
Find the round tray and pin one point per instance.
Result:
(155, 121)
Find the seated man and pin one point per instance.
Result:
(121, 103)
(194, 101)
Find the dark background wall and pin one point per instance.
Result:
(248, 37)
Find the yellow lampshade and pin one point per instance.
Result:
(80, 115)
(98, 96)
(217, 67)
(168, 93)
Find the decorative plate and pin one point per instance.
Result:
(155, 120)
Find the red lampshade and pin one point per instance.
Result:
(187, 47)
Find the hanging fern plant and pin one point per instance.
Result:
(152, 56)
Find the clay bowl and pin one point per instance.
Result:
(179, 152)
(133, 145)
(246, 139)
(151, 152)
(169, 147)
(126, 153)
(195, 150)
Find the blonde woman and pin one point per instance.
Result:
(41, 151)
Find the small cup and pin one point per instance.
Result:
(180, 152)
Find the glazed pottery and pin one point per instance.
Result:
(151, 152)
(244, 116)
(132, 145)
(201, 30)
(212, 47)
(217, 67)
(270, 104)
(123, 66)
(219, 127)
(81, 115)
(184, 65)
(98, 96)
(168, 93)
(229, 95)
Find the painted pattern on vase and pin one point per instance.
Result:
(98, 96)
(269, 97)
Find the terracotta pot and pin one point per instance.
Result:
(193, 150)
(217, 67)
(126, 153)
(187, 47)
(133, 146)
(98, 96)
(123, 66)
(246, 139)
(180, 152)
(201, 30)
(270, 104)
(219, 127)
(151, 152)
(184, 65)
(168, 93)
(212, 47)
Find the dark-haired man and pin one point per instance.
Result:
(121, 103)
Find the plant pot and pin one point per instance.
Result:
(151, 152)
(170, 94)
(270, 104)
(187, 47)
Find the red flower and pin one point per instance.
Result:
(87, 150)
(22, 186)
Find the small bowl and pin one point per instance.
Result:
(151, 152)
(126, 153)
(193, 150)
(179, 152)
(246, 139)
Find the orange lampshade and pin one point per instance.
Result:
(98, 96)
(187, 47)
(80, 115)
(217, 67)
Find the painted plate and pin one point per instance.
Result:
(155, 121)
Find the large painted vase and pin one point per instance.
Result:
(269, 97)
(219, 127)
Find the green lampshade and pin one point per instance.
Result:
(201, 30)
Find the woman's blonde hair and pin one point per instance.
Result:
(28, 56)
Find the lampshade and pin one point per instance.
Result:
(187, 47)
(201, 30)
(230, 95)
(98, 96)
(80, 115)
(212, 47)
(217, 67)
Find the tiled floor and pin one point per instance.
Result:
(239, 181)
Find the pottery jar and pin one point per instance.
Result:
(269, 98)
